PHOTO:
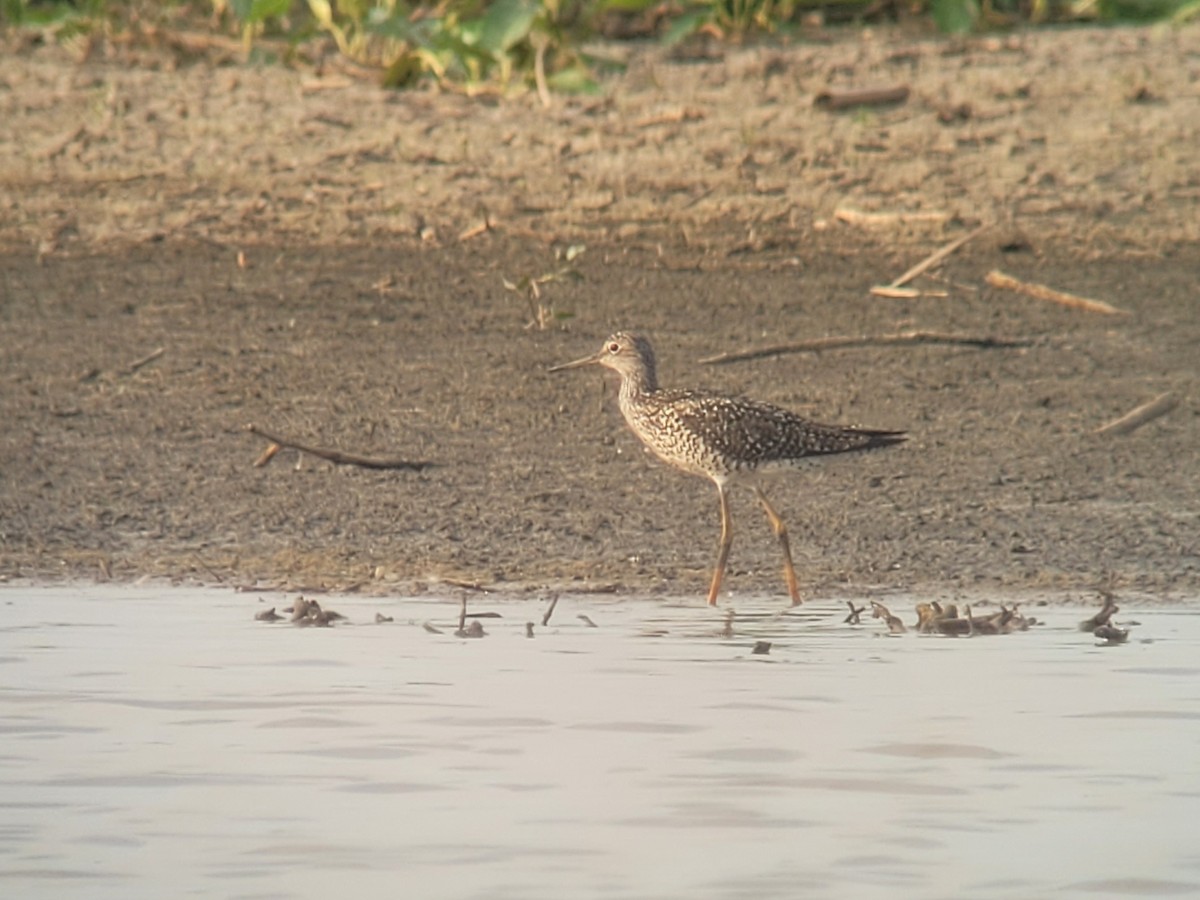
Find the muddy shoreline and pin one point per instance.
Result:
(336, 290)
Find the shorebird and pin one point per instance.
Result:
(729, 440)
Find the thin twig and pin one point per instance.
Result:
(936, 257)
(683, 114)
(337, 457)
(539, 71)
(208, 568)
(998, 279)
(476, 230)
(146, 360)
(60, 145)
(1139, 416)
(267, 455)
(869, 340)
(465, 585)
(897, 293)
(904, 293)
(887, 219)
(550, 610)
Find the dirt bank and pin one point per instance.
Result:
(295, 246)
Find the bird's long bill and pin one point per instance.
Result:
(586, 361)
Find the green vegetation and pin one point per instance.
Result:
(542, 313)
(494, 45)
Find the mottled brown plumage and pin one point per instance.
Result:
(726, 439)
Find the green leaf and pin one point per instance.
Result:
(630, 6)
(405, 70)
(1137, 10)
(955, 16)
(251, 12)
(394, 24)
(685, 26)
(574, 80)
(1186, 13)
(17, 12)
(506, 24)
(261, 10)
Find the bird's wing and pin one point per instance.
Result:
(757, 432)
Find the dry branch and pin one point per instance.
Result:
(146, 360)
(465, 585)
(337, 457)
(267, 455)
(476, 230)
(683, 114)
(62, 143)
(904, 293)
(1139, 416)
(550, 610)
(200, 44)
(880, 96)
(934, 258)
(894, 293)
(868, 340)
(887, 219)
(998, 279)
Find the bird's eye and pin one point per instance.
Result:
(614, 347)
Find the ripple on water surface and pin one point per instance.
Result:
(159, 740)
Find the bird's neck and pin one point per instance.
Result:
(638, 384)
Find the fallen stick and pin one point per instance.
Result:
(684, 114)
(998, 279)
(337, 457)
(550, 611)
(894, 293)
(879, 96)
(868, 340)
(267, 455)
(903, 293)
(887, 219)
(476, 230)
(1109, 609)
(203, 564)
(1139, 416)
(465, 585)
(146, 360)
(60, 145)
(199, 44)
(936, 257)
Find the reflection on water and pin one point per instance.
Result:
(161, 743)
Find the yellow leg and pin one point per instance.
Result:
(789, 571)
(723, 549)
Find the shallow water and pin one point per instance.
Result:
(161, 743)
